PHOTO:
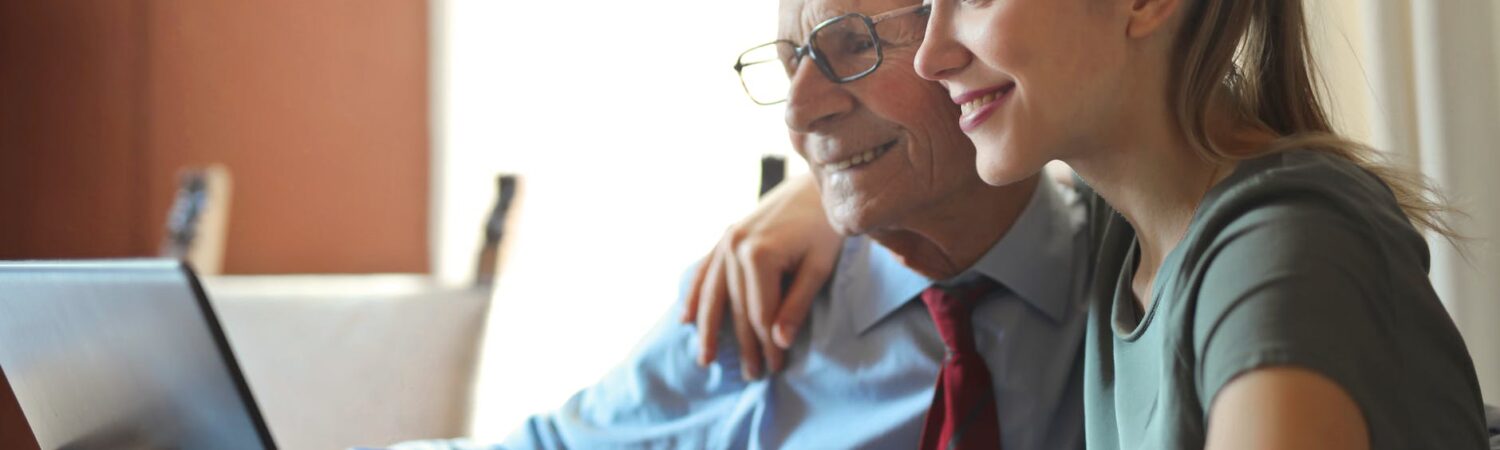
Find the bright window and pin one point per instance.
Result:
(636, 146)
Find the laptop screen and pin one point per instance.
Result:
(121, 354)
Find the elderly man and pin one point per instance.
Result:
(953, 317)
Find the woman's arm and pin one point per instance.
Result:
(1285, 408)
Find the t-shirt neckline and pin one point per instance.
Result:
(1124, 295)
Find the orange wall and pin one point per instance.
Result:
(68, 166)
(317, 107)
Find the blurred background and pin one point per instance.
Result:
(331, 166)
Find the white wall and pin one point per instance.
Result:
(636, 146)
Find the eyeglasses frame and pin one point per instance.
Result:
(817, 57)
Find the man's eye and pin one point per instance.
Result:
(851, 43)
(861, 45)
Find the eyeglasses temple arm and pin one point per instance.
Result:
(922, 8)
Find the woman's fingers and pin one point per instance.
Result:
(749, 366)
(690, 304)
(749, 268)
(762, 275)
(810, 278)
(750, 356)
(712, 294)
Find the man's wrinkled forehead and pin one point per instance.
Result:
(798, 17)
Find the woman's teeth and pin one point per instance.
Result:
(862, 158)
(978, 102)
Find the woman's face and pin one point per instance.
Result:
(1036, 80)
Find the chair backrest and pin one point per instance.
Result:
(198, 223)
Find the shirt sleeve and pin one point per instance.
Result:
(658, 397)
(1290, 285)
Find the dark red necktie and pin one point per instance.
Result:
(962, 415)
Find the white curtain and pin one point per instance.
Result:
(1432, 96)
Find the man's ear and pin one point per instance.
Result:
(1150, 16)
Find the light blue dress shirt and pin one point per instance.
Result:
(862, 370)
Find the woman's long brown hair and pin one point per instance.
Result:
(1251, 60)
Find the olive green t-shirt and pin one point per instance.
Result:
(1298, 259)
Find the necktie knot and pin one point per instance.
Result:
(952, 310)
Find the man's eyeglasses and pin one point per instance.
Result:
(845, 48)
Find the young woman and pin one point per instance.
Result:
(1260, 282)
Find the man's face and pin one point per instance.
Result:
(881, 147)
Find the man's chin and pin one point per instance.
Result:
(851, 224)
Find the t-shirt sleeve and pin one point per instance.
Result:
(1290, 284)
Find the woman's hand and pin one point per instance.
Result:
(786, 244)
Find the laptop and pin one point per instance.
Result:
(121, 354)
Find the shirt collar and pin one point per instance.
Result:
(1035, 260)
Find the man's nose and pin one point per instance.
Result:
(941, 57)
(813, 101)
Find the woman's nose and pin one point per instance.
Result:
(940, 56)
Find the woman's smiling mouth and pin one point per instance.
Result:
(976, 106)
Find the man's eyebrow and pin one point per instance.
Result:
(811, 18)
(817, 17)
